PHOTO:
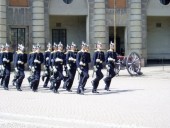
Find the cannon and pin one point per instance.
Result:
(132, 63)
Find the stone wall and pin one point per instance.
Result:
(38, 22)
(3, 28)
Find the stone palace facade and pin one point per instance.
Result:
(142, 26)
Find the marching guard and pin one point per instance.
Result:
(98, 59)
(19, 64)
(29, 62)
(71, 66)
(1, 64)
(82, 62)
(65, 73)
(110, 59)
(55, 48)
(58, 62)
(46, 65)
(6, 61)
(36, 61)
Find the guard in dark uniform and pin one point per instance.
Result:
(19, 64)
(89, 60)
(46, 65)
(71, 66)
(7, 59)
(16, 75)
(1, 64)
(29, 62)
(36, 61)
(98, 59)
(55, 49)
(65, 72)
(110, 59)
(82, 62)
(58, 62)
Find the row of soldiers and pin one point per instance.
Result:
(58, 66)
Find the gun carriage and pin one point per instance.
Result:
(132, 63)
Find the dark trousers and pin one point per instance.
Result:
(2, 79)
(16, 76)
(70, 79)
(65, 78)
(2, 73)
(83, 79)
(20, 79)
(35, 80)
(47, 77)
(58, 76)
(108, 79)
(6, 78)
(99, 76)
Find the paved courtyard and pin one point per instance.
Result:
(133, 102)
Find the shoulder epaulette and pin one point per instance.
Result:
(109, 50)
(31, 52)
(19, 52)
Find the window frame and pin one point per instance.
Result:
(19, 5)
(117, 7)
(61, 33)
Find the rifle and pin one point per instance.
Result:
(82, 59)
(110, 62)
(96, 64)
(5, 55)
(17, 65)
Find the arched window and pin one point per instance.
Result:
(68, 1)
(165, 2)
(18, 3)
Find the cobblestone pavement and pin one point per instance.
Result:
(133, 102)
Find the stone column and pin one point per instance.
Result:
(100, 22)
(3, 28)
(135, 27)
(38, 23)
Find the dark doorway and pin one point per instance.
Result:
(17, 37)
(120, 39)
(59, 35)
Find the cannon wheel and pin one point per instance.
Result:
(117, 67)
(133, 64)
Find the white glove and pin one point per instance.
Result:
(51, 69)
(107, 67)
(33, 69)
(47, 59)
(68, 67)
(37, 61)
(98, 60)
(64, 73)
(95, 68)
(30, 67)
(58, 60)
(81, 63)
(111, 59)
(20, 62)
(70, 59)
(45, 67)
(54, 69)
(16, 70)
(4, 59)
(74, 60)
(3, 68)
(46, 72)
(79, 70)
